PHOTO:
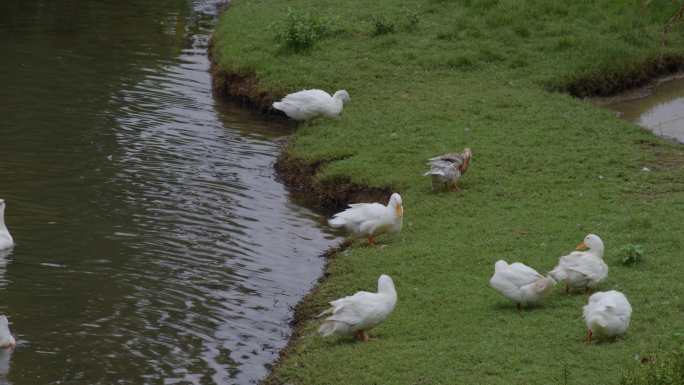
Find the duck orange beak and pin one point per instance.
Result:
(399, 210)
(582, 246)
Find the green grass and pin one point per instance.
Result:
(547, 169)
(658, 369)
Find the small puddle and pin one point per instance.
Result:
(662, 111)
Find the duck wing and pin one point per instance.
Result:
(304, 104)
(616, 303)
(510, 279)
(587, 265)
(519, 274)
(451, 157)
(307, 97)
(358, 213)
(608, 302)
(443, 168)
(355, 309)
(566, 263)
(452, 160)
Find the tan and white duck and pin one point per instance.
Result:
(447, 169)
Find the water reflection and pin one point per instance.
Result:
(5, 359)
(154, 244)
(5, 256)
(661, 112)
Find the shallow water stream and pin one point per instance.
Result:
(661, 112)
(154, 243)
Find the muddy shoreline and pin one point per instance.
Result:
(636, 93)
(299, 176)
(611, 83)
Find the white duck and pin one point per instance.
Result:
(447, 169)
(582, 269)
(308, 104)
(360, 312)
(520, 283)
(607, 314)
(6, 339)
(371, 219)
(6, 240)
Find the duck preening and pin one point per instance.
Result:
(371, 219)
(308, 104)
(357, 314)
(520, 283)
(606, 315)
(447, 169)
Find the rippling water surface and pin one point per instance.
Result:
(154, 244)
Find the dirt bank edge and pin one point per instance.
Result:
(300, 178)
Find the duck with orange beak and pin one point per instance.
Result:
(584, 268)
(371, 219)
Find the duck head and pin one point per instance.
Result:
(386, 285)
(500, 265)
(593, 243)
(395, 203)
(6, 339)
(342, 95)
(467, 154)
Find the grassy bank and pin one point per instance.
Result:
(432, 76)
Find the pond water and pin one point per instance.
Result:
(661, 112)
(154, 244)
